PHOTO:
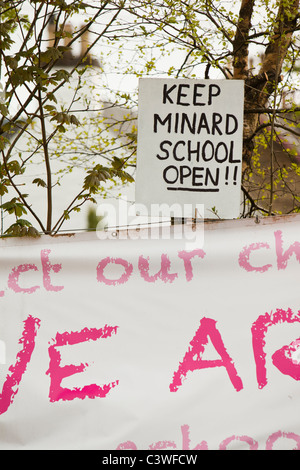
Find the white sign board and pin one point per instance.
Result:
(190, 145)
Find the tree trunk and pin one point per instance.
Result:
(259, 88)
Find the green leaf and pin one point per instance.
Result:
(74, 120)
(14, 207)
(50, 108)
(60, 75)
(52, 53)
(51, 97)
(124, 176)
(66, 215)
(11, 62)
(22, 228)
(3, 142)
(3, 189)
(22, 75)
(40, 182)
(132, 136)
(95, 176)
(3, 110)
(117, 163)
(14, 167)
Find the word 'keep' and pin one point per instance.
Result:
(184, 94)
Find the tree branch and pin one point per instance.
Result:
(240, 43)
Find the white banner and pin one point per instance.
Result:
(152, 344)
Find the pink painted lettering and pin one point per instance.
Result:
(57, 373)
(253, 445)
(163, 274)
(12, 382)
(163, 445)
(185, 430)
(245, 255)
(114, 282)
(259, 330)
(13, 278)
(186, 256)
(206, 329)
(284, 360)
(47, 268)
(283, 257)
(128, 445)
(278, 435)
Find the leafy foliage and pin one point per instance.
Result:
(37, 63)
(96, 130)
